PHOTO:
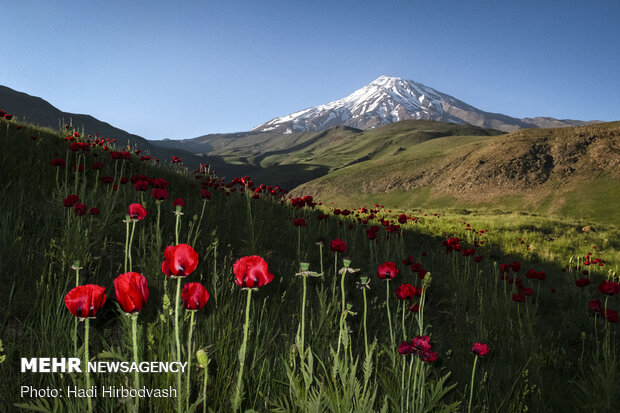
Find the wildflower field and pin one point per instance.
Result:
(284, 304)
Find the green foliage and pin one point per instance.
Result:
(534, 345)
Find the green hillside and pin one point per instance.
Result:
(531, 288)
(572, 172)
(292, 159)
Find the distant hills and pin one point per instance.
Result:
(568, 170)
(41, 113)
(573, 171)
(291, 159)
(391, 99)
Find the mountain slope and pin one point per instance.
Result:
(40, 112)
(292, 159)
(573, 171)
(391, 99)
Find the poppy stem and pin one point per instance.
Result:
(415, 381)
(409, 383)
(299, 243)
(402, 386)
(189, 361)
(126, 242)
(75, 323)
(177, 228)
(342, 290)
(86, 358)
(335, 277)
(204, 203)
(136, 377)
(321, 258)
(204, 390)
(471, 384)
(365, 331)
(236, 401)
(57, 184)
(403, 322)
(133, 228)
(387, 306)
(303, 315)
(178, 340)
(158, 233)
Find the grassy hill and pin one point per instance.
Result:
(291, 159)
(549, 351)
(572, 171)
(38, 111)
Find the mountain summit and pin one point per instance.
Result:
(391, 99)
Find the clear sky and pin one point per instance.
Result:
(180, 69)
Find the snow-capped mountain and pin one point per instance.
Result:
(392, 99)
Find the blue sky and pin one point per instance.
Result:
(164, 69)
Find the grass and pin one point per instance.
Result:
(547, 353)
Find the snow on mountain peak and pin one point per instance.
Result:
(385, 100)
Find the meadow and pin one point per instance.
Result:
(309, 307)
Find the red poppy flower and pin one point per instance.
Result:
(85, 301)
(371, 233)
(582, 282)
(387, 270)
(299, 222)
(405, 292)
(141, 185)
(178, 202)
(106, 179)
(402, 218)
(94, 211)
(405, 348)
(337, 245)
(414, 308)
(80, 209)
(541, 275)
(59, 162)
(179, 260)
(478, 258)
(161, 183)
(160, 194)
(516, 266)
(131, 291)
(194, 296)
(421, 343)
(8, 116)
(70, 200)
(611, 316)
(96, 166)
(409, 260)
(427, 356)
(252, 272)
(137, 211)
(480, 349)
(609, 287)
(527, 291)
(596, 306)
(518, 298)
(204, 194)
